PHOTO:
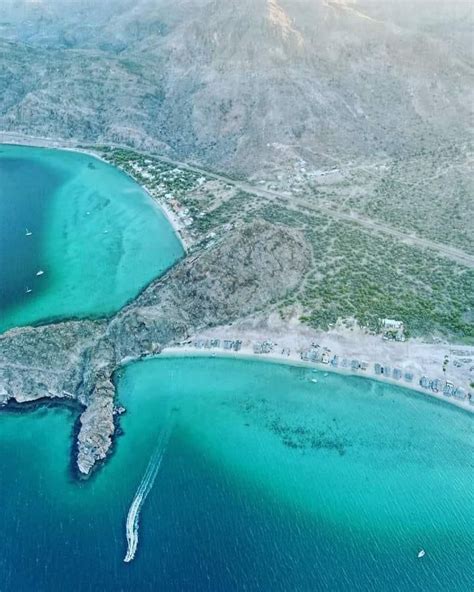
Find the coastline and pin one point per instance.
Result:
(183, 352)
(420, 359)
(32, 141)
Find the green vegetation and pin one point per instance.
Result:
(368, 277)
(208, 206)
(427, 192)
(354, 273)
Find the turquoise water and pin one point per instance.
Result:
(94, 232)
(268, 482)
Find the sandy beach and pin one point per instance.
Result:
(291, 338)
(10, 138)
(411, 356)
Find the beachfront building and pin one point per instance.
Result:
(448, 389)
(459, 393)
(263, 347)
(425, 382)
(310, 355)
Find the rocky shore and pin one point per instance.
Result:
(76, 360)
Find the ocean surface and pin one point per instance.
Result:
(95, 234)
(257, 479)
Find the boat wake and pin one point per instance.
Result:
(143, 490)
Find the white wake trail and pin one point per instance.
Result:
(143, 490)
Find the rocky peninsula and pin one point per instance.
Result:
(289, 270)
(76, 360)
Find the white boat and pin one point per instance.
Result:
(314, 380)
(28, 290)
(28, 232)
(40, 272)
(421, 553)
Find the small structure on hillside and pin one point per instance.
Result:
(392, 330)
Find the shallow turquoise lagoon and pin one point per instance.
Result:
(268, 482)
(95, 234)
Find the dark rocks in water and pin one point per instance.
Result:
(77, 359)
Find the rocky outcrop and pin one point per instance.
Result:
(48, 361)
(77, 359)
(241, 85)
(97, 426)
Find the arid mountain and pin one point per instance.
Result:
(243, 85)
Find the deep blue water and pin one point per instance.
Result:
(269, 482)
(21, 209)
(96, 235)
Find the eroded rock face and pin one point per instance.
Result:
(77, 359)
(97, 427)
(47, 361)
(244, 273)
